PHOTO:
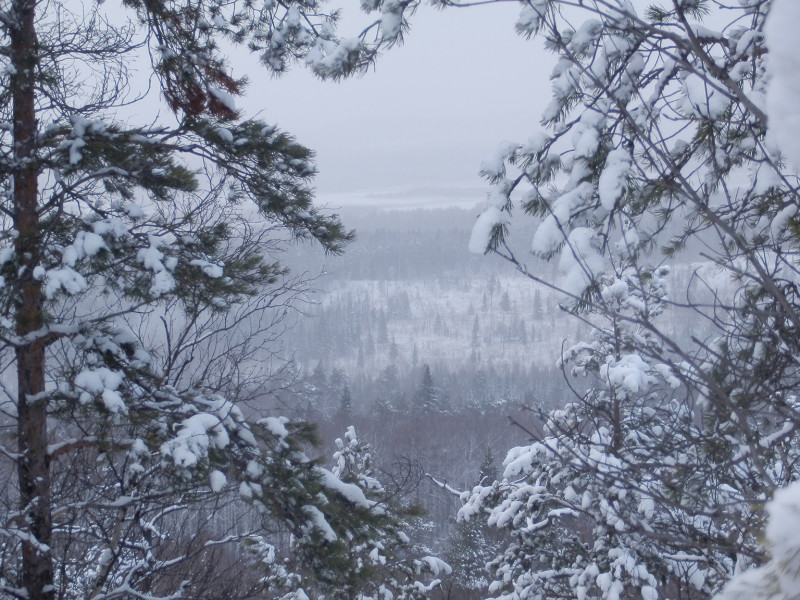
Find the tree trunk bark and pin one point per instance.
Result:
(33, 462)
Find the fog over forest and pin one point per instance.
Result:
(439, 357)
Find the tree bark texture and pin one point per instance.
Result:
(33, 462)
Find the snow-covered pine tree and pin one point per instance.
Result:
(381, 560)
(615, 497)
(655, 145)
(108, 225)
(470, 545)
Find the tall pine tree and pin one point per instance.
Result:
(122, 243)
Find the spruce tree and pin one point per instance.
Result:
(426, 399)
(387, 389)
(345, 401)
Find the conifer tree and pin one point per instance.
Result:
(111, 229)
(387, 388)
(470, 546)
(345, 400)
(655, 142)
(426, 399)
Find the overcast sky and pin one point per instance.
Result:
(425, 117)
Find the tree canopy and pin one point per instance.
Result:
(655, 149)
(139, 292)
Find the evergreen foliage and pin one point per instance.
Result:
(345, 400)
(127, 250)
(426, 400)
(470, 546)
(653, 481)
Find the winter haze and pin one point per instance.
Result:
(429, 300)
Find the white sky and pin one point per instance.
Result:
(423, 120)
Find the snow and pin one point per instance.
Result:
(319, 523)
(213, 270)
(113, 226)
(536, 143)
(483, 229)
(217, 480)
(783, 528)
(587, 142)
(91, 242)
(696, 577)
(195, 437)
(224, 98)
(163, 283)
(65, 279)
(629, 374)
(391, 20)
(86, 244)
(746, 44)
(276, 426)
(436, 565)
(340, 456)
(549, 235)
(767, 441)
(134, 211)
(225, 134)
(351, 492)
(703, 100)
(75, 155)
(114, 402)
(493, 166)
(530, 16)
(564, 85)
(586, 35)
(519, 460)
(611, 185)
(765, 178)
(96, 380)
(376, 557)
(666, 373)
(580, 263)
(329, 59)
(254, 470)
(647, 507)
(102, 382)
(245, 491)
(615, 46)
(783, 91)
(80, 127)
(151, 258)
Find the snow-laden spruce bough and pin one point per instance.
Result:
(138, 297)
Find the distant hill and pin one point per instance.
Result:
(408, 292)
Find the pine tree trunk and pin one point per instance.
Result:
(33, 464)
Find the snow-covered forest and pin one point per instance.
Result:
(212, 386)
